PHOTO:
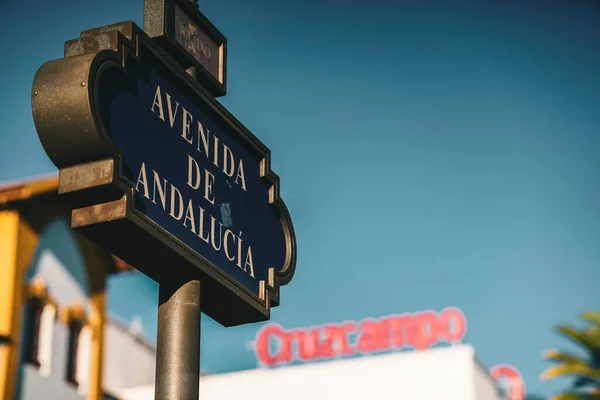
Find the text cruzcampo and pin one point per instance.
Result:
(276, 345)
(157, 189)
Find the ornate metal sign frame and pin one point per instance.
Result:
(67, 118)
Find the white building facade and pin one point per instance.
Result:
(450, 373)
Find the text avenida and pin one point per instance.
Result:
(163, 193)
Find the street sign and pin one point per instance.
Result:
(188, 36)
(161, 174)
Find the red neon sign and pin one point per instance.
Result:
(512, 379)
(276, 345)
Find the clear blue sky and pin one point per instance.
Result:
(430, 155)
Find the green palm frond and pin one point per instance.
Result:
(583, 338)
(593, 333)
(591, 316)
(576, 396)
(566, 396)
(586, 369)
(559, 356)
(571, 369)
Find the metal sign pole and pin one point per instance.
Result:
(178, 341)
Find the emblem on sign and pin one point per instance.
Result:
(187, 35)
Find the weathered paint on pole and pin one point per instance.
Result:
(178, 341)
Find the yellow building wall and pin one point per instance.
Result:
(18, 244)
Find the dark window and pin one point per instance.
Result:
(4, 340)
(108, 396)
(75, 327)
(33, 317)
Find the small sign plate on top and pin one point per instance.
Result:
(190, 38)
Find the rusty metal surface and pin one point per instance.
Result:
(85, 176)
(99, 213)
(97, 39)
(125, 28)
(91, 44)
(88, 184)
